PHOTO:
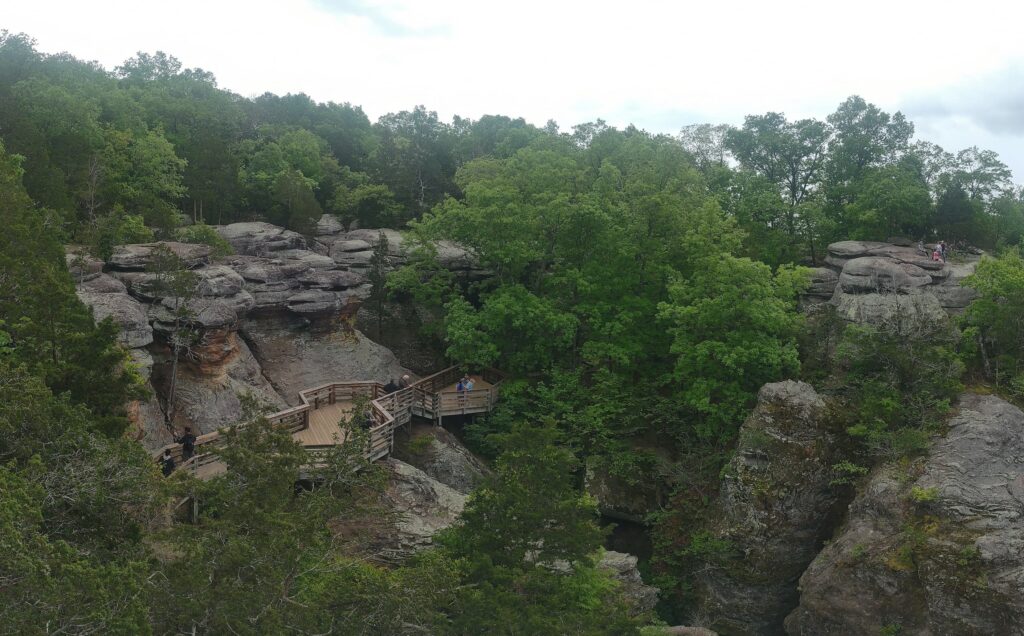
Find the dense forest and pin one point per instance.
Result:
(643, 288)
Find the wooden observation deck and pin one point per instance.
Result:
(315, 423)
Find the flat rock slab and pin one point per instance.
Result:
(873, 274)
(139, 256)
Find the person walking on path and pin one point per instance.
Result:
(188, 444)
(166, 463)
(942, 250)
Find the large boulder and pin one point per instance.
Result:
(441, 455)
(902, 313)
(872, 274)
(138, 257)
(933, 547)
(219, 280)
(126, 312)
(623, 568)
(773, 511)
(260, 239)
(423, 507)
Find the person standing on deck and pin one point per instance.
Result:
(469, 383)
(390, 387)
(404, 382)
(460, 389)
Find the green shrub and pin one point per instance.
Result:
(204, 234)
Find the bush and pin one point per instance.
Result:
(205, 235)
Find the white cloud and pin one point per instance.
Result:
(658, 64)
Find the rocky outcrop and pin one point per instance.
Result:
(772, 512)
(259, 239)
(442, 456)
(893, 286)
(623, 568)
(108, 298)
(139, 256)
(299, 305)
(294, 357)
(934, 547)
(423, 507)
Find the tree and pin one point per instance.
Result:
(529, 540)
(380, 264)
(707, 144)
(734, 328)
(50, 329)
(865, 137)
(143, 174)
(178, 287)
(414, 158)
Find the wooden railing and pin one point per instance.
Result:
(428, 397)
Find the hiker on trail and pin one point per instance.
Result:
(390, 387)
(942, 250)
(936, 256)
(166, 463)
(188, 444)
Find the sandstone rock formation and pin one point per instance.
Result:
(442, 456)
(773, 511)
(424, 507)
(936, 547)
(883, 284)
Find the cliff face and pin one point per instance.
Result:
(275, 318)
(773, 512)
(935, 547)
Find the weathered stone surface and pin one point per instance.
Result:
(441, 455)
(936, 547)
(82, 266)
(209, 392)
(371, 236)
(352, 260)
(102, 284)
(872, 274)
(823, 282)
(424, 506)
(219, 280)
(138, 256)
(147, 419)
(125, 311)
(311, 260)
(623, 569)
(205, 312)
(143, 362)
(906, 313)
(332, 279)
(294, 357)
(259, 269)
(329, 225)
(260, 239)
(350, 245)
(773, 508)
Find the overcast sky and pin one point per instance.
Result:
(955, 69)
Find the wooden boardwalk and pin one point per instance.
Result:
(315, 423)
